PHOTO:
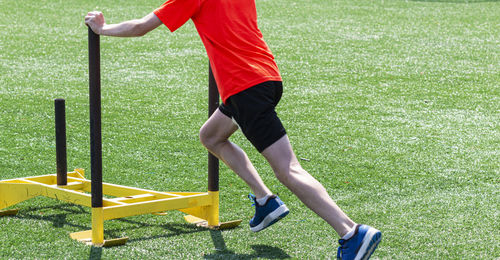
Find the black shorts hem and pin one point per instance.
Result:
(254, 111)
(270, 141)
(225, 111)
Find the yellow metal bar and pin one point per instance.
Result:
(210, 211)
(124, 191)
(184, 193)
(46, 179)
(213, 209)
(114, 212)
(77, 173)
(78, 182)
(49, 178)
(61, 194)
(16, 192)
(86, 184)
(15, 181)
(135, 198)
(13, 193)
(97, 226)
(76, 185)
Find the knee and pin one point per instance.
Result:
(209, 139)
(205, 137)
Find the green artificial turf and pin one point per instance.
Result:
(392, 105)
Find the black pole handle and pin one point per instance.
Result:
(61, 159)
(213, 104)
(95, 118)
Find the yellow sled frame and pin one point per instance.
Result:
(202, 207)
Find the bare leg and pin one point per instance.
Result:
(289, 172)
(214, 135)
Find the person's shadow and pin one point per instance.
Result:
(261, 251)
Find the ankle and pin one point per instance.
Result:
(261, 201)
(349, 233)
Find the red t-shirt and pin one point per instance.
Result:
(238, 55)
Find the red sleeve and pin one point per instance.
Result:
(175, 13)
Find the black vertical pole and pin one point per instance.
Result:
(213, 104)
(95, 119)
(60, 120)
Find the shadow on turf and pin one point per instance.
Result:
(59, 219)
(221, 250)
(95, 253)
(46, 213)
(261, 251)
(52, 214)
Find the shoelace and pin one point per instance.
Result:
(253, 199)
(339, 251)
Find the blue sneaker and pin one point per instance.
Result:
(273, 210)
(361, 245)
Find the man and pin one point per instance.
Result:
(250, 87)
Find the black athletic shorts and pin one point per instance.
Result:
(253, 111)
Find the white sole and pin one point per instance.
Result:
(367, 248)
(270, 218)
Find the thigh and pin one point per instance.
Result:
(219, 126)
(280, 155)
(254, 111)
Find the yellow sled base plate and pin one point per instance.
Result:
(203, 223)
(9, 212)
(86, 237)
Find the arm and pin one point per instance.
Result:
(131, 28)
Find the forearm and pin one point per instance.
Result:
(132, 28)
